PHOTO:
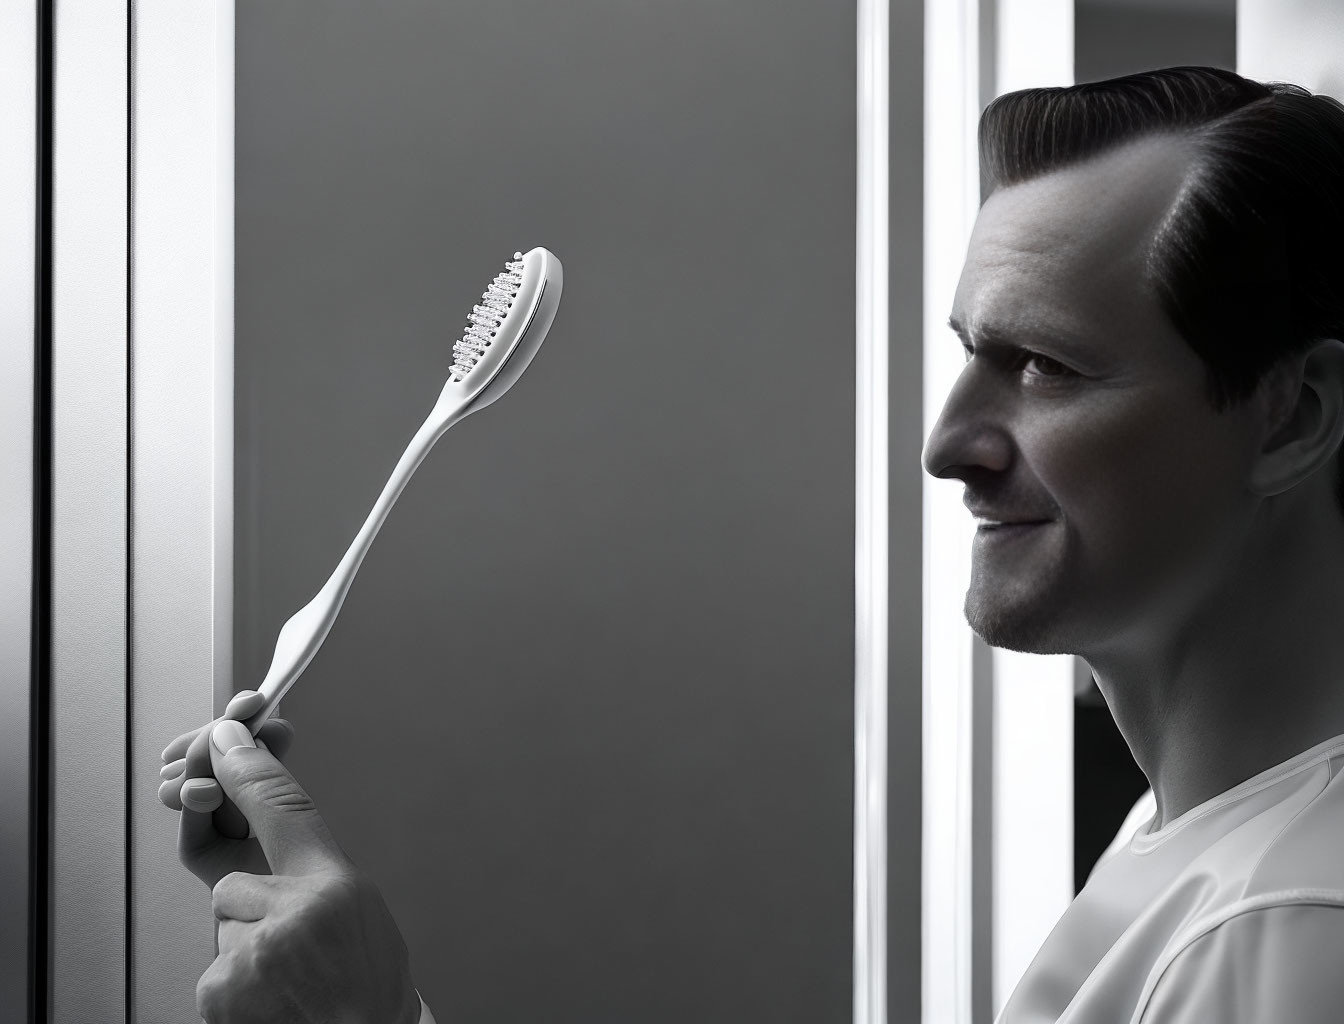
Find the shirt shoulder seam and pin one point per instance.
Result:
(1241, 908)
(1250, 877)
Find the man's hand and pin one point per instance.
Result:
(189, 782)
(311, 942)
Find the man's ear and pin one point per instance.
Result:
(1302, 417)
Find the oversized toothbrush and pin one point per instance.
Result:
(504, 331)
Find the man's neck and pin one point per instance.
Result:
(1248, 679)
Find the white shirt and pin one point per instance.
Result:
(425, 1016)
(1232, 913)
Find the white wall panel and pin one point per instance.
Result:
(1298, 41)
(18, 312)
(88, 588)
(182, 460)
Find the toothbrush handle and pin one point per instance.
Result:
(302, 635)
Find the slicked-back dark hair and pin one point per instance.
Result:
(1249, 262)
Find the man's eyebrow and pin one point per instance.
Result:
(992, 336)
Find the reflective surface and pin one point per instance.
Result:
(587, 713)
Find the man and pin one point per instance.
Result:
(1149, 425)
(1152, 306)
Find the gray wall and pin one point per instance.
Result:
(587, 715)
(1117, 37)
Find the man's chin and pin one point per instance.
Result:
(1027, 630)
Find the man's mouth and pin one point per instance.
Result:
(987, 526)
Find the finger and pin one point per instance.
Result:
(233, 935)
(201, 795)
(173, 769)
(227, 820)
(178, 747)
(211, 856)
(244, 704)
(240, 896)
(277, 734)
(293, 836)
(197, 756)
(170, 794)
(202, 850)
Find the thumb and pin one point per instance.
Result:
(293, 836)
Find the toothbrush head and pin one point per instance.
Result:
(505, 329)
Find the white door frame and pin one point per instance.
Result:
(140, 462)
(89, 693)
(142, 482)
(22, 521)
(998, 725)
(181, 461)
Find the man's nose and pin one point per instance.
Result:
(967, 437)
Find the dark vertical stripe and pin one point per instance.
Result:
(39, 745)
(130, 502)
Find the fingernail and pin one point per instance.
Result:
(177, 767)
(229, 735)
(202, 795)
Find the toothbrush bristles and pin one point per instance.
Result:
(486, 318)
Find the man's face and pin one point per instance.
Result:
(1081, 405)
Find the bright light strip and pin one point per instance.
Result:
(222, 441)
(1032, 795)
(870, 523)
(951, 200)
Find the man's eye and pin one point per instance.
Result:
(1049, 368)
(1052, 367)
